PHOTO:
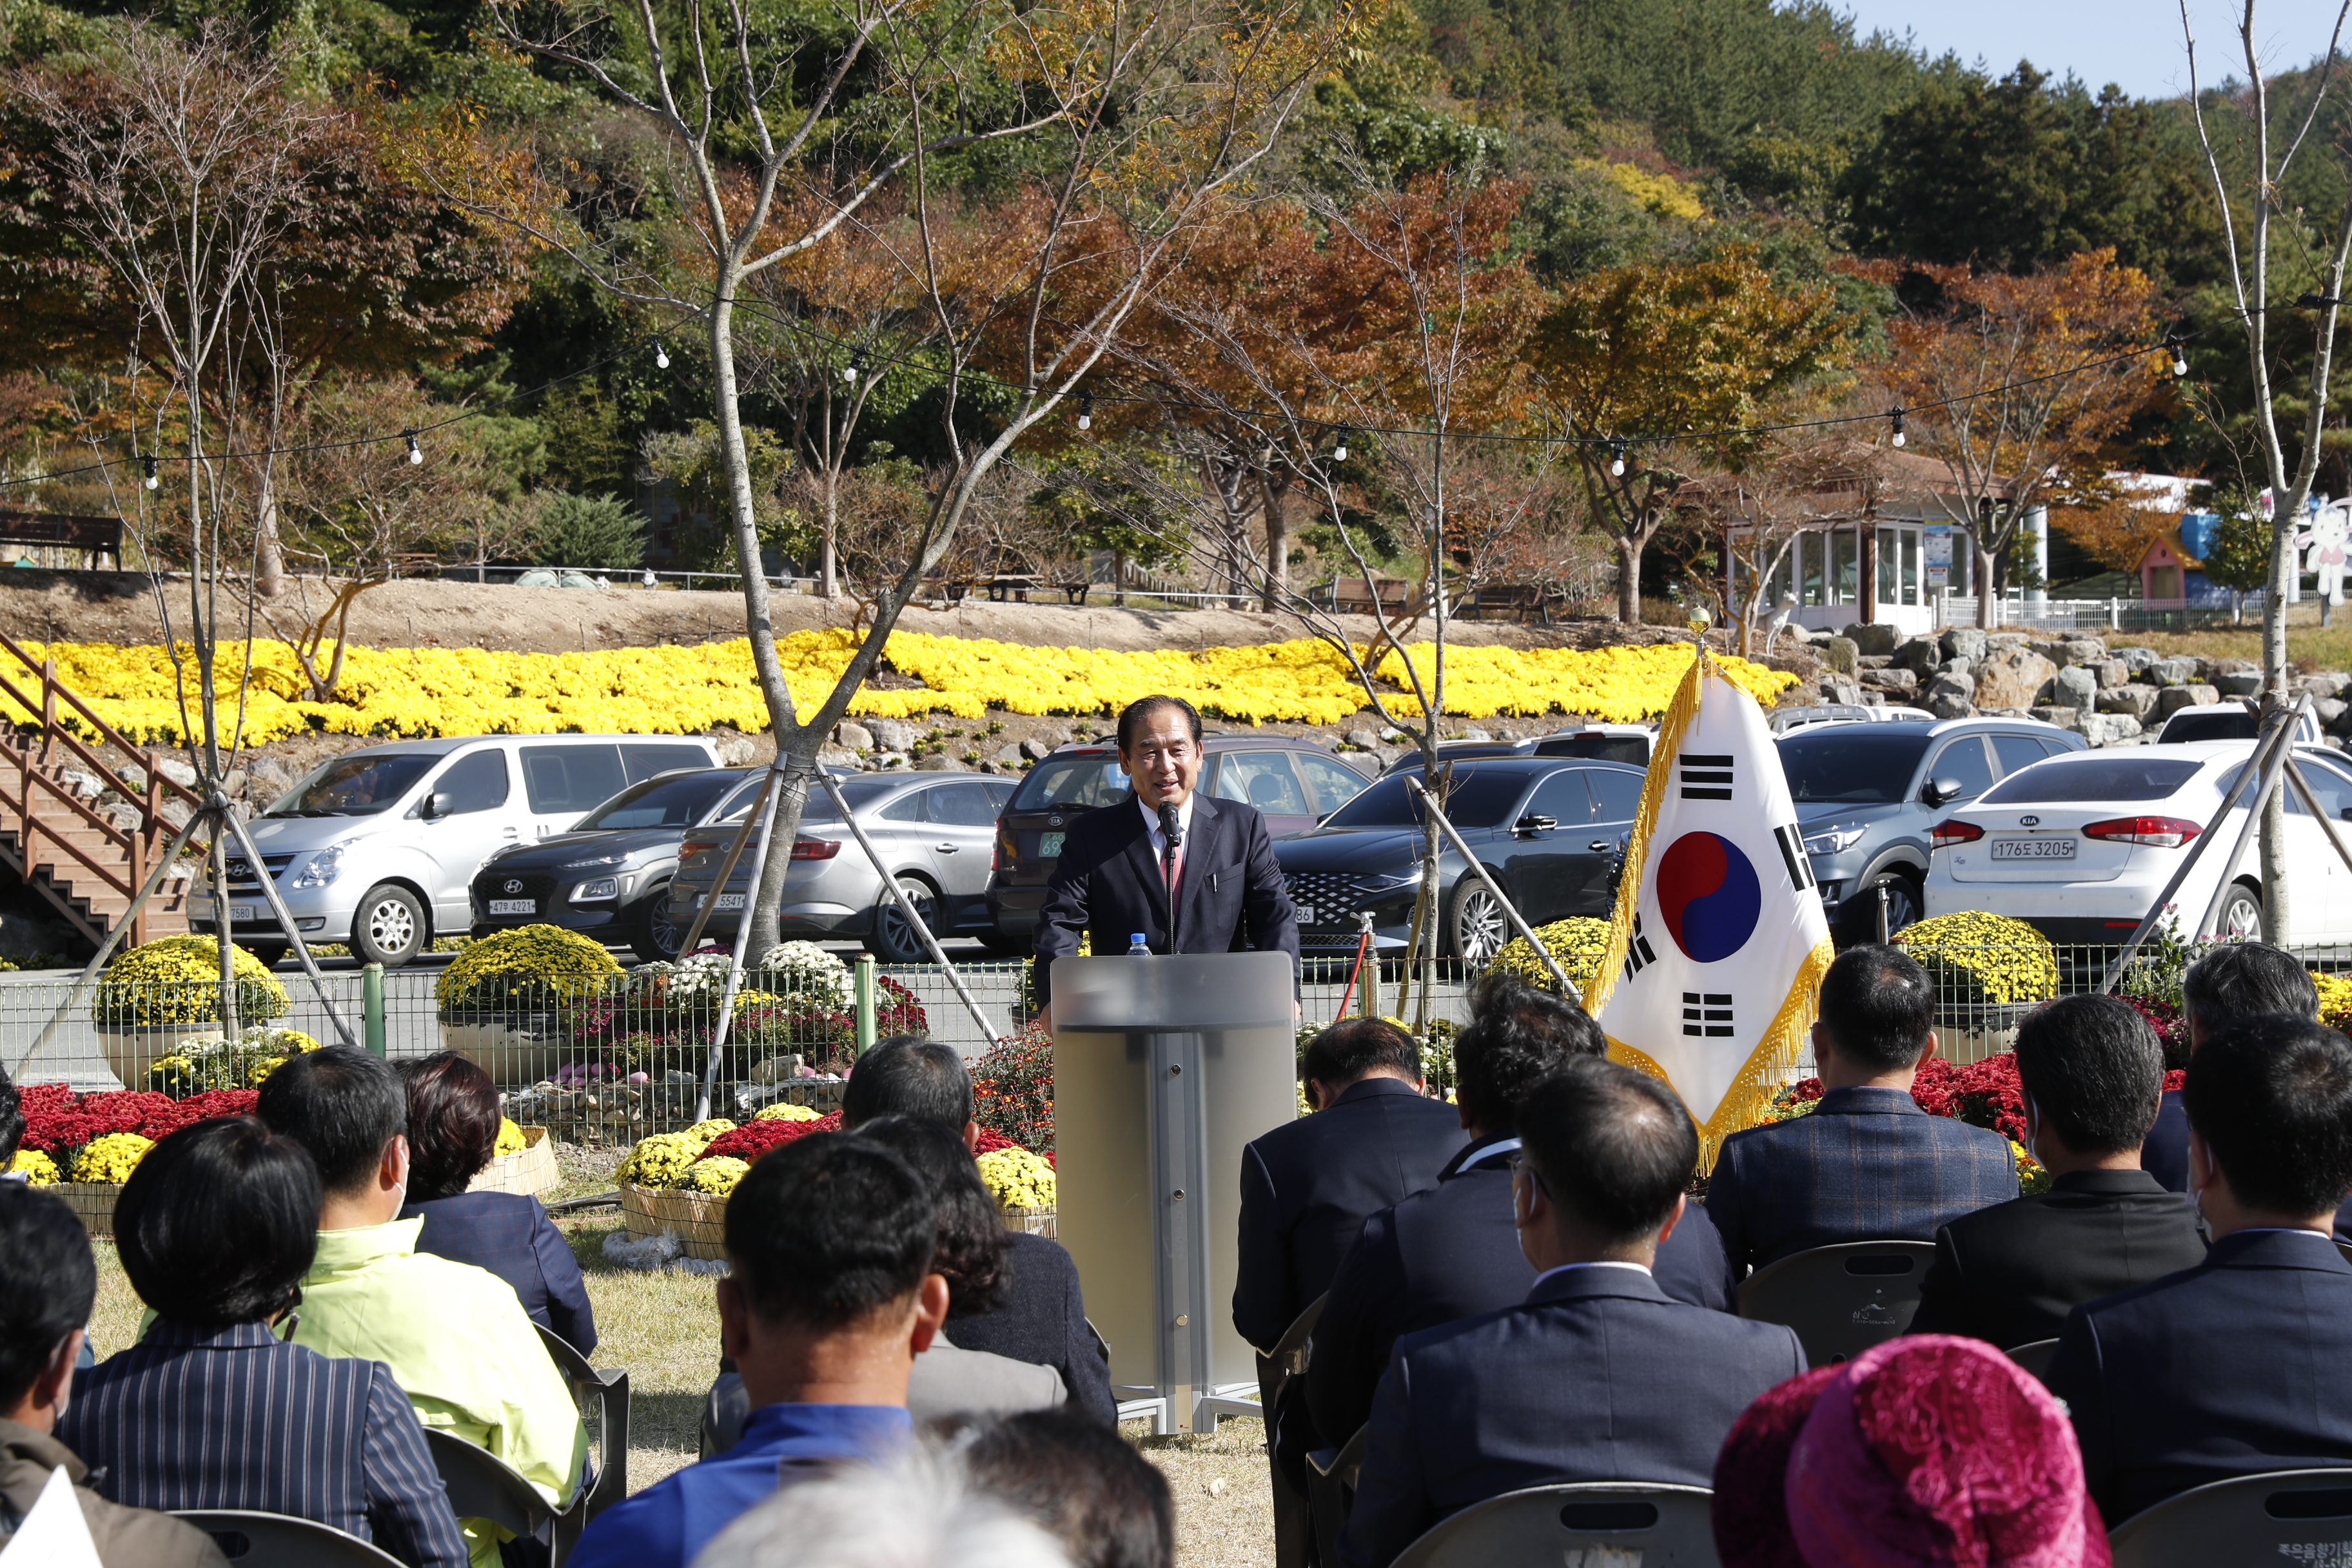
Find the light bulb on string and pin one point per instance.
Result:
(1086, 413)
(855, 368)
(1339, 448)
(1894, 417)
(2178, 347)
(1617, 457)
(661, 356)
(149, 465)
(416, 452)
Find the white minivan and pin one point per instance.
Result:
(378, 848)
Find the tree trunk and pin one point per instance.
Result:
(1988, 591)
(1277, 543)
(1629, 579)
(827, 587)
(2276, 673)
(268, 550)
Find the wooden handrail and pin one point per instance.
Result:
(114, 736)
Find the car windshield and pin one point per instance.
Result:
(2237, 725)
(353, 786)
(673, 800)
(1481, 798)
(1073, 781)
(1632, 750)
(2132, 776)
(818, 807)
(1850, 767)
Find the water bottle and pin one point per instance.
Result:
(1137, 947)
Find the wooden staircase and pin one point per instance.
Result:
(65, 846)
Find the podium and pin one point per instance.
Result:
(1164, 1067)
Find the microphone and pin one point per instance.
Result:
(1171, 826)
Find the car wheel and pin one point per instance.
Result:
(652, 935)
(898, 941)
(1905, 904)
(2240, 919)
(389, 928)
(1476, 926)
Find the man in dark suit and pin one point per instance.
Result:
(2232, 1367)
(1867, 1164)
(1213, 882)
(2092, 1069)
(1599, 1375)
(1453, 1252)
(2235, 981)
(1308, 1185)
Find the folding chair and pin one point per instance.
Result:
(254, 1540)
(2297, 1516)
(1293, 1526)
(483, 1486)
(1841, 1300)
(1600, 1523)
(607, 1388)
(1331, 1492)
(2035, 1357)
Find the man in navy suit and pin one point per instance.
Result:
(1214, 883)
(1453, 1252)
(2236, 982)
(1867, 1164)
(2232, 1367)
(1599, 1375)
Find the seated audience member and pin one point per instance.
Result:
(970, 1253)
(1928, 1449)
(1453, 1251)
(452, 1131)
(2233, 982)
(1041, 1316)
(1107, 1505)
(1599, 1375)
(1306, 1185)
(211, 1409)
(1867, 1164)
(47, 1284)
(918, 1513)
(454, 1336)
(830, 1301)
(2092, 1069)
(2229, 1368)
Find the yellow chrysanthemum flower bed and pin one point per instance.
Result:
(706, 1133)
(1579, 943)
(1977, 958)
(527, 968)
(782, 1113)
(510, 1140)
(686, 690)
(717, 1177)
(2335, 1000)
(177, 980)
(660, 1159)
(111, 1159)
(35, 1167)
(1018, 1179)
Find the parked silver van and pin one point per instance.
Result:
(378, 848)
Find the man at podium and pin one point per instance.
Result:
(1192, 874)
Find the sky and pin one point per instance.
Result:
(2135, 43)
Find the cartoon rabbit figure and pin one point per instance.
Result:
(2324, 541)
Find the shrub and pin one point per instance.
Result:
(714, 1174)
(510, 1139)
(659, 1160)
(195, 1067)
(1018, 1179)
(111, 1159)
(177, 980)
(786, 1112)
(1579, 943)
(1978, 960)
(764, 1135)
(531, 969)
(597, 531)
(35, 1167)
(1012, 1088)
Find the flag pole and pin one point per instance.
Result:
(1510, 909)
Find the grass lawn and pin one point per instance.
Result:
(664, 1329)
(2309, 645)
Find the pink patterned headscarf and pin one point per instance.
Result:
(1934, 1450)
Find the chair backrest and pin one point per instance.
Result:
(1652, 1524)
(2296, 1516)
(1289, 1352)
(2346, 1249)
(2035, 1357)
(483, 1486)
(252, 1539)
(602, 1396)
(1841, 1300)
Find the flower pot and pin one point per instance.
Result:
(130, 1052)
(699, 1220)
(1971, 1032)
(91, 1201)
(516, 1051)
(531, 1171)
(1033, 1222)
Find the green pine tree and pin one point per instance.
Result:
(594, 532)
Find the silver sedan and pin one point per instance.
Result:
(937, 834)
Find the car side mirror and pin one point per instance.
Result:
(440, 803)
(1939, 791)
(1533, 823)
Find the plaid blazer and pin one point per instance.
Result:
(1866, 1166)
(218, 1418)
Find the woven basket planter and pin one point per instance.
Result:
(530, 1173)
(92, 1202)
(699, 1220)
(1033, 1222)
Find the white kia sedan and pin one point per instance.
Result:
(2082, 846)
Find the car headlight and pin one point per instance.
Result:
(1833, 840)
(601, 888)
(325, 866)
(592, 862)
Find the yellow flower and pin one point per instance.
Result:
(510, 1139)
(2335, 1000)
(716, 1176)
(1017, 1179)
(702, 1134)
(527, 967)
(111, 1159)
(1978, 957)
(659, 1161)
(1579, 943)
(177, 980)
(781, 1112)
(2030, 1176)
(35, 1167)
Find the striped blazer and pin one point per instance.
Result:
(220, 1418)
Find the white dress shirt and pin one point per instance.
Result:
(1160, 840)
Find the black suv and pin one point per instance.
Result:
(1552, 832)
(1294, 784)
(608, 879)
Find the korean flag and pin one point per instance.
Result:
(1717, 950)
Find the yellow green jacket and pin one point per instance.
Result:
(458, 1341)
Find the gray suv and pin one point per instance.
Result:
(1866, 796)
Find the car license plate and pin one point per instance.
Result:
(238, 912)
(514, 906)
(2034, 848)
(1306, 915)
(1049, 844)
(730, 901)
